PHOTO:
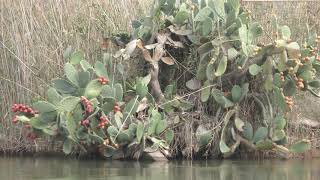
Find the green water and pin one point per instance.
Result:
(71, 169)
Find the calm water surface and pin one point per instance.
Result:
(18, 168)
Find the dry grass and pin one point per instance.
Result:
(34, 33)
(296, 15)
(33, 36)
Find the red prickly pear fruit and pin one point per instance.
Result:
(85, 122)
(116, 108)
(101, 125)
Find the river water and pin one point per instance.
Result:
(25, 168)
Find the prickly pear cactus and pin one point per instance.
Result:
(229, 69)
(210, 49)
(87, 109)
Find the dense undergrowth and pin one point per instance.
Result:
(206, 88)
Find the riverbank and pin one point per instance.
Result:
(46, 147)
(158, 156)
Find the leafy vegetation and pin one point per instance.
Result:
(245, 88)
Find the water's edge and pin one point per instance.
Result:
(311, 154)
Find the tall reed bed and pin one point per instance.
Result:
(33, 36)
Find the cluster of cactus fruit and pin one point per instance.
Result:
(116, 107)
(289, 101)
(22, 108)
(216, 36)
(103, 122)
(27, 111)
(103, 80)
(87, 104)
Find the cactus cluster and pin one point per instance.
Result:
(214, 42)
(88, 111)
(231, 69)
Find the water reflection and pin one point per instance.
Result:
(70, 169)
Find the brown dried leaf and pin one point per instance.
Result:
(175, 43)
(162, 38)
(167, 60)
(140, 44)
(151, 46)
(143, 104)
(158, 53)
(147, 55)
(131, 46)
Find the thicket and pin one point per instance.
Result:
(207, 89)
